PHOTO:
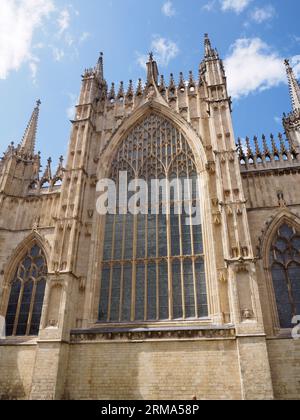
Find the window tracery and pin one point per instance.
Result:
(153, 265)
(27, 295)
(285, 268)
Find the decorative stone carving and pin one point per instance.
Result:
(247, 314)
(153, 334)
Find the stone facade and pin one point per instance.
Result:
(239, 351)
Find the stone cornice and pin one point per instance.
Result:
(270, 171)
(152, 334)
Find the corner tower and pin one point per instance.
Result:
(20, 165)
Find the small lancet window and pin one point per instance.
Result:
(27, 295)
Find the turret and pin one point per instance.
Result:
(20, 165)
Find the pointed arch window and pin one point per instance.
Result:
(285, 268)
(153, 265)
(27, 295)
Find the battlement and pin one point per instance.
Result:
(265, 154)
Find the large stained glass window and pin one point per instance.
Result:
(27, 295)
(285, 266)
(153, 264)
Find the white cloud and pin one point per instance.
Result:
(209, 6)
(28, 26)
(71, 108)
(262, 14)
(278, 120)
(63, 21)
(237, 6)
(164, 51)
(253, 66)
(58, 54)
(84, 36)
(33, 66)
(19, 20)
(168, 9)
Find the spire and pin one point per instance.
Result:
(29, 138)
(293, 85)
(100, 67)
(210, 53)
(152, 71)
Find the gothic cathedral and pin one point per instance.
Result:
(146, 306)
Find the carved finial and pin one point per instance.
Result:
(130, 92)
(249, 150)
(210, 53)
(181, 84)
(112, 93)
(241, 149)
(162, 85)
(139, 91)
(266, 147)
(191, 82)
(283, 149)
(121, 91)
(100, 67)
(60, 171)
(152, 71)
(172, 86)
(257, 148)
(47, 177)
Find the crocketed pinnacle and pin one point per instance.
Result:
(293, 85)
(28, 142)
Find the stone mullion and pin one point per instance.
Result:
(111, 270)
(31, 308)
(169, 237)
(122, 269)
(181, 259)
(16, 323)
(157, 256)
(290, 292)
(146, 268)
(134, 271)
(190, 202)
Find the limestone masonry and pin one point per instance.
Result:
(145, 307)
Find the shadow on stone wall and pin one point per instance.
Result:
(16, 365)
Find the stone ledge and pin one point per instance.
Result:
(19, 341)
(147, 334)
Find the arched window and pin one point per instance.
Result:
(27, 295)
(153, 264)
(285, 266)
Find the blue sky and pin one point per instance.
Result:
(46, 44)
